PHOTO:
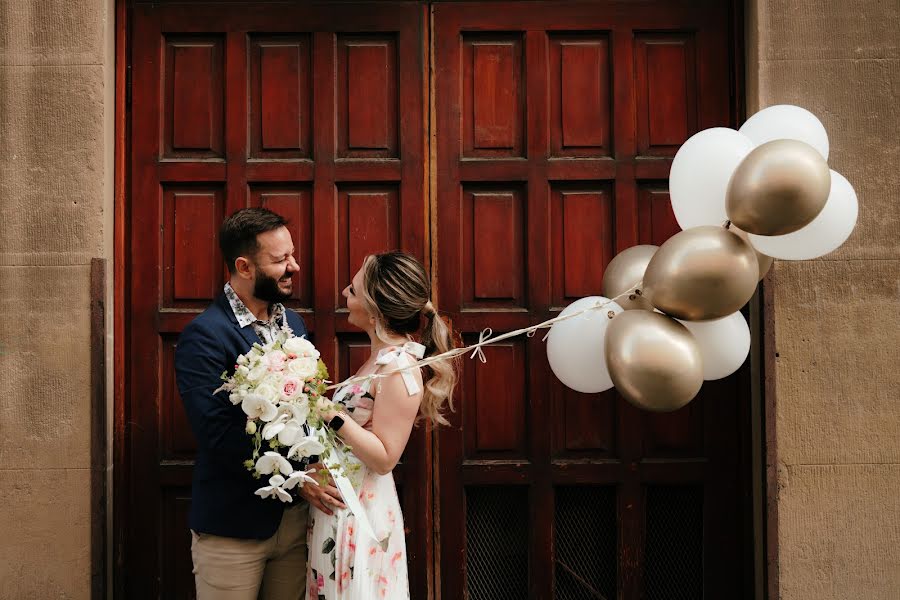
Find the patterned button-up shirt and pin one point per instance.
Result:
(266, 330)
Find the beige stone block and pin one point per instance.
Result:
(51, 164)
(46, 525)
(837, 370)
(825, 29)
(52, 32)
(857, 100)
(839, 532)
(45, 361)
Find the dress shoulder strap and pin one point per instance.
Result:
(402, 355)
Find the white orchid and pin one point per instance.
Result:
(292, 430)
(306, 447)
(274, 489)
(300, 407)
(273, 427)
(270, 462)
(257, 407)
(300, 478)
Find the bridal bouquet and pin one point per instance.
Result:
(279, 385)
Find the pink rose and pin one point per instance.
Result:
(290, 387)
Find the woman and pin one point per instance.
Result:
(389, 299)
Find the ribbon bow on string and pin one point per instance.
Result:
(482, 338)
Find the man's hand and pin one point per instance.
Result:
(324, 496)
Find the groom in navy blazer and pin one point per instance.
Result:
(243, 546)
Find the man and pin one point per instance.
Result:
(244, 547)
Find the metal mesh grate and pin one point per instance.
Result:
(673, 554)
(497, 543)
(585, 543)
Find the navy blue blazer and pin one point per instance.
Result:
(223, 502)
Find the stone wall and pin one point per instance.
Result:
(55, 212)
(835, 321)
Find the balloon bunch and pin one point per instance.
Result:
(741, 199)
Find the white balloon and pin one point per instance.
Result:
(700, 173)
(575, 348)
(787, 122)
(724, 344)
(824, 234)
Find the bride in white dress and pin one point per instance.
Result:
(389, 298)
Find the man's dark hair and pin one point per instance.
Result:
(237, 237)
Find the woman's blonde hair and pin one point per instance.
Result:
(397, 292)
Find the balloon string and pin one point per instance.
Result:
(486, 339)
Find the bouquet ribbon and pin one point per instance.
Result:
(351, 498)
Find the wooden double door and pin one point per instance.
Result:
(514, 147)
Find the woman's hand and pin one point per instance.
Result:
(326, 408)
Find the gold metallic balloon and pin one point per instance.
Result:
(778, 188)
(765, 262)
(702, 273)
(653, 360)
(626, 269)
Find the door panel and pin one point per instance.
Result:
(555, 128)
(312, 110)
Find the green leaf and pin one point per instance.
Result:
(328, 546)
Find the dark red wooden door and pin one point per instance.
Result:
(556, 123)
(312, 109)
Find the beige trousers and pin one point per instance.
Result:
(236, 569)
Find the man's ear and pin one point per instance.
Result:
(244, 268)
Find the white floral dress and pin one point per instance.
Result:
(345, 563)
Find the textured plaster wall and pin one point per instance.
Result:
(836, 320)
(55, 204)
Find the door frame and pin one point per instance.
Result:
(762, 522)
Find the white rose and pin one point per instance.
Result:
(301, 347)
(275, 359)
(257, 373)
(304, 367)
(268, 392)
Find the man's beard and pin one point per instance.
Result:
(266, 288)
